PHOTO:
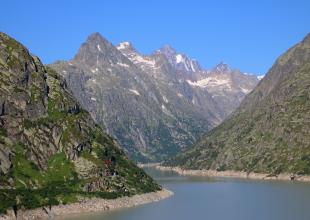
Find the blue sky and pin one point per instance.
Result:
(248, 35)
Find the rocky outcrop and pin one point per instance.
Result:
(5, 160)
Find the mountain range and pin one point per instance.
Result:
(154, 105)
(269, 132)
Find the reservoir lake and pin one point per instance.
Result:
(218, 199)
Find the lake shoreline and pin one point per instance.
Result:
(87, 206)
(146, 165)
(234, 174)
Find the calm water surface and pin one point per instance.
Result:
(219, 199)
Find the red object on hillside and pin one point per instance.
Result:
(107, 162)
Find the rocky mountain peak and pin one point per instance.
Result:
(97, 42)
(222, 68)
(140, 60)
(179, 61)
(167, 50)
(97, 50)
(96, 37)
(306, 40)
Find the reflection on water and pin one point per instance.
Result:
(219, 199)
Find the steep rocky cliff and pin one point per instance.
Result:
(269, 132)
(51, 150)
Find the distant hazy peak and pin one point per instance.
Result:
(222, 67)
(178, 60)
(167, 50)
(98, 41)
(95, 37)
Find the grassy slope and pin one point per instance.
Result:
(269, 133)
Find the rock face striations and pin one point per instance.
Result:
(269, 132)
(153, 105)
(51, 150)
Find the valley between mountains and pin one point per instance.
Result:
(71, 132)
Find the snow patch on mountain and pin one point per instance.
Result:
(179, 58)
(193, 67)
(94, 70)
(135, 92)
(179, 61)
(165, 99)
(137, 59)
(123, 45)
(245, 91)
(127, 50)
(123, 64)
(209, 81)
(260, 77)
